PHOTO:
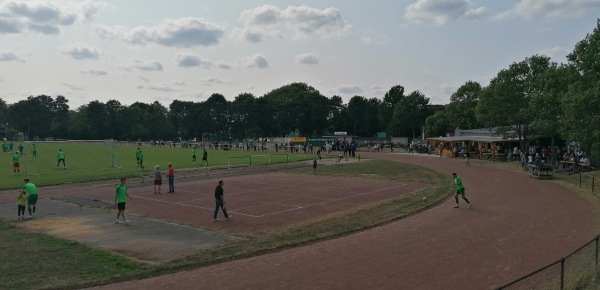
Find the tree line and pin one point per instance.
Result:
(531, 98)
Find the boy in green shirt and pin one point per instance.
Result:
(16, 161)
(61, 157)
(194, 154)
(460, 190)
(34, 150)
(121, 196)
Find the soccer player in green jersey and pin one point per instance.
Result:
(121, 196)
(138, 155)
(194, 154)
(60, 156)
(32, 196)
(34, 150)
(15, 161)
(460, 190)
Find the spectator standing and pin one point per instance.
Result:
(171, 176)
(157, 179)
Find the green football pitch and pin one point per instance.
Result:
(87, 162)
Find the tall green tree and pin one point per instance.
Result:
(438, 124)
(386, 109)
(581, 104)
(505, 102)
(461, 109)
(60, 122)
(242, 116)
(412, 111)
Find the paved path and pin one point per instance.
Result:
(517, 225)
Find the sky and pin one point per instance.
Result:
(158, 50)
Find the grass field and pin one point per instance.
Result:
(64, 264)
(86, 162)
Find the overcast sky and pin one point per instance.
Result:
(158, 50)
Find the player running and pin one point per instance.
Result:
(460, 190)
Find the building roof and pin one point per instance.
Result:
(473, 138)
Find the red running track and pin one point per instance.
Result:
(517, 224)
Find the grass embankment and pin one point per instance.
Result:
(75, 265)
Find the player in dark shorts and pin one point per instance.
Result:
(61, 157)
(204, 157)
(460, 190)
(121, 196)
(315, 166)
(32, 196)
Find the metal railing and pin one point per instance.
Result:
(578, 270)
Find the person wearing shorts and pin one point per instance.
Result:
(315, 166)
(121, 196)
(61, 157)
(32, 196)
(460, 190)
(194, 154)
(157, 179)
(204, 157)
(16, 162)
(21, 202)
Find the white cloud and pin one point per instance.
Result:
(94, 72)
(549, 8)
(223, 65)
(263, 15)
(145, 65)
(191, 60)
(307, 58)
(257, 34)
(80, 52)
(213, 81)
(268, 22)
(183, 32)
(7, 56)
(443, 11)
(179, 83)
(187, 60)
(558, 54)
(162, 88)
(73, 87)
(145, 79)
(374, 39)
(255, 61)
(349, 90)
(44, 16)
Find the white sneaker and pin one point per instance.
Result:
(30, 216)
(215, 220)
(229, 217)
(127, 222)
(117, 221)
(470, 205)
(456, 206)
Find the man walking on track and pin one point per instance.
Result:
(220, 202)
(32, 196)
(460, 190)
